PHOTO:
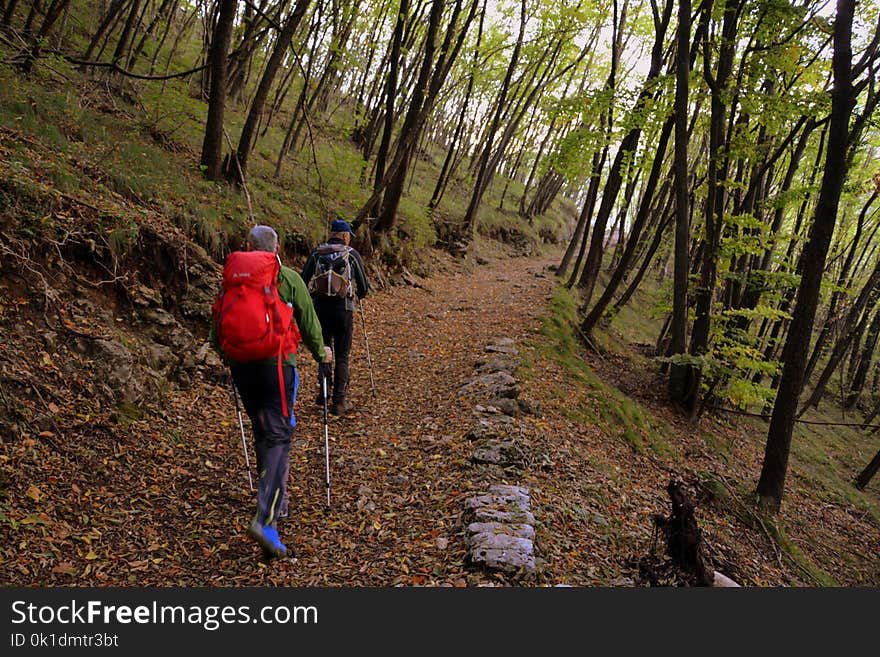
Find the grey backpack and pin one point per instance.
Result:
(333, 275)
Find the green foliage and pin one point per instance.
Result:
(743, 393)
(734, 359)
(759, 312)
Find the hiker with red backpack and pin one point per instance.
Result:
(336, 279)
(261, 314)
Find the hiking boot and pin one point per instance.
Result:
(268, 538)
(341, 406)
(319, 400)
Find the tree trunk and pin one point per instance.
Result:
(864, 363)
(447, 170)
(165, 11)
(425, 95)
(341, 35)
(593, 261)
(627, 148)
(550, 135)
(773, 471)
(577, 237)
(549, 187)
(426, 90)
(237, 167)
(679, 376)
(470, 216)
(212, 145)
(868, 473)
(52, 15)
(300, 114)
(646, 262)
(756, 285)
(254, 31)
(867, 297)
(115, 8)
(622, 268)
(390, 96)
(127, 30)
(36, 8)
(836, 296)
(9, 12)
(715, 197)
(587, 211)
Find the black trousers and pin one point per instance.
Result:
(337, 325)
(260, 392)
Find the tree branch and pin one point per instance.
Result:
(113, 66)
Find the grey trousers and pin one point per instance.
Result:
(258, 386)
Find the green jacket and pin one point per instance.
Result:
(294, 292)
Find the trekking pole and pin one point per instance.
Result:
(367, 343)
(325, 367)
(247, 460)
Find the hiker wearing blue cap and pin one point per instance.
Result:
(336, 278)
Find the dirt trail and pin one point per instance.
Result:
(399, 464)
(158, 495)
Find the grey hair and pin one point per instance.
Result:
(263, 238)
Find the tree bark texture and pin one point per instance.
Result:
(771, 484)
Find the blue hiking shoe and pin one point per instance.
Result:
(267, 537)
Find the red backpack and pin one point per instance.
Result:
(251, 320)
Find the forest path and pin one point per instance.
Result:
(157, 494)
(399, 462)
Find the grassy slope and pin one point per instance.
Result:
(826, 525)
(142, 140)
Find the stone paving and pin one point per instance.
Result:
(498, 522)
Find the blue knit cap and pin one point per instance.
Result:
(340, 226)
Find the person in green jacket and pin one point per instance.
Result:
(258, 385)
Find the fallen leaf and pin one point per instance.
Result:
(36, 519)
(65, 568)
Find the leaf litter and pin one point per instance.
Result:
(161, 498)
